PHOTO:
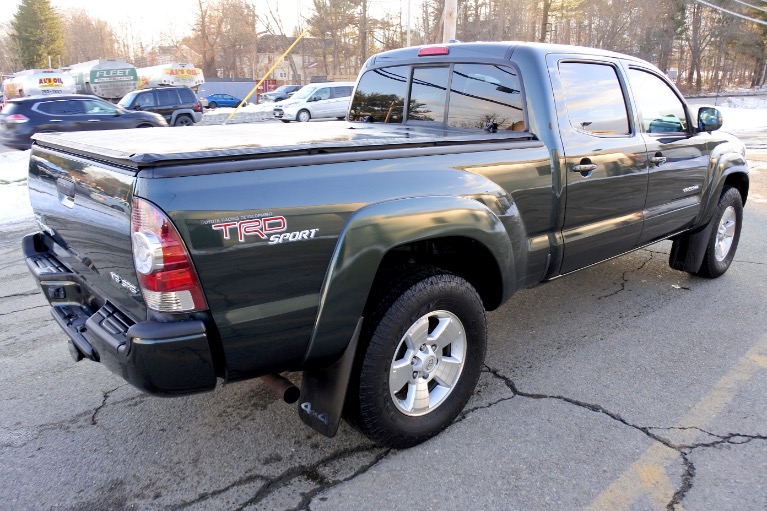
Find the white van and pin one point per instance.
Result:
(316, 101)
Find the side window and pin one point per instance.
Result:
(60, 107)
(321, 94)
(187, 96)
(343, 91)
(594, 98)
(482, 93)
(98, 108)
(380, 95)
(145, 100)
(428, 94)
(659, 107)
(167, 97)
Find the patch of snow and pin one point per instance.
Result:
(14, 197)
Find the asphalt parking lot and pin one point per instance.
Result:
(625, 386)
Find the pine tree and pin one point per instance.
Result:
(37, 33)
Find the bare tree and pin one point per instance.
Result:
(87, 38)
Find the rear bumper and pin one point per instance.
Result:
(159, 358)
(20, 141)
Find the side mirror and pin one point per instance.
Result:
(136, 107)
(709, 119)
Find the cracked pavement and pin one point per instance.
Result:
(624, 386)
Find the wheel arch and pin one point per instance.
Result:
(460, 235)
(181, 112)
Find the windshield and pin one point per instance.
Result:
(127, 99)
(303, 92)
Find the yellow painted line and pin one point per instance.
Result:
(647, 477)
(657, 485)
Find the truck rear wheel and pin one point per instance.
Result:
(183, 120)
(423, 348)
(725, 234)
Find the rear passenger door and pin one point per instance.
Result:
(167, 103)
(677, 156)
(605, 158)
(61, 115)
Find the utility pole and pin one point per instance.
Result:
(364, 33)
(450, 20)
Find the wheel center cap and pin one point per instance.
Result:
(430, 363)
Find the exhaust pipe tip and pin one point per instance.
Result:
(282, 387)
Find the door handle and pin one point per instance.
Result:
(658, 160)
(584, 167)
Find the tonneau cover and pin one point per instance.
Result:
(155, 146)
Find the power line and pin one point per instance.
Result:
(739, 15)
(749, 5)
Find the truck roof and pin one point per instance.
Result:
(488, 50)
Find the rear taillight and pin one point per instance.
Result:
(165, 272)
(16, 119)
(198, 107)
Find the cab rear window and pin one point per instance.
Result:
(380, 95)
(467, 96)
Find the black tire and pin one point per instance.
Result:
(725, 234)
(212, 104)
(283, 120)
(387, 357)
(303, 116)
(183, 120)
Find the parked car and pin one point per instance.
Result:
(280, 93)
(216, 100)
(316, 101)
(23, 117)
(178, 105)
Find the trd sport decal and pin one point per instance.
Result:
(264, 229)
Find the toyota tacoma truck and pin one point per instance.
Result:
(364, 253)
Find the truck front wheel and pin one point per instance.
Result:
(422, 351)
(725, 234)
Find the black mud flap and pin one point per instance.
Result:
(323, 391)
(688, 250)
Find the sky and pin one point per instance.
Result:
(751, 113)
(151, 18)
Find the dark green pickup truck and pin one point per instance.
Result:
(364, 253)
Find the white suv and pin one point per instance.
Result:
(316, 101)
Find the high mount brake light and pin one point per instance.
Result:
(165, 272)
(433, 50)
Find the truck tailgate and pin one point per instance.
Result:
(85, 208)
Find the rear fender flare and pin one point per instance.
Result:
(374, 230)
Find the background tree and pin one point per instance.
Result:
(206, 35)
(87, 38)
(37, 34)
